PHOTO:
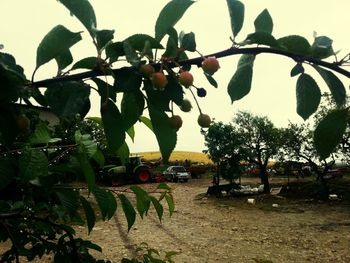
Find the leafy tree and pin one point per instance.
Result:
(36, 209)
(261, 141)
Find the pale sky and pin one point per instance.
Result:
(25, 23)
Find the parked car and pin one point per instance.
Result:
(176, 173)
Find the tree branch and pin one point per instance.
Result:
(198, 60)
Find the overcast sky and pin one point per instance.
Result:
(23, 24)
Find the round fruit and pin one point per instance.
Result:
(23, 123)
(186, 105)
(204, 120)
(147, 70)
(201, 92)
(186, 79)
(175, 122)
(159, 80)
(210, 65)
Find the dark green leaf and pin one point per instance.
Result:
(86, 63)
(69, 98)
(171, 205)
(86, 168)
(105, 201)
(130, 54)
(334, 84)
(142, 200)
(89, 213)
(171, 49)
(84, 11)
(169, 16)
(188, 42)
(132, 106)
(260, 38)
(163, 186)
(42, 134)
(131, 132)
(112, 205)
(211, 80)
(64, 59)
(147, 122)
(6, 173)
(157, 206)
(240, 84)
(236, 10)
(113, 125)
(39, 97)
(138, 42)
(295, 44)
(322, 47)
(296, 70)
(99, 158)
(165, 134)
(86, 144)
(123, 152)
(8, 124)
(329, 132)
(128, 209)
(104, 90)
(33, 164)
(103, 37)
(172, 33)
(308, 96)
(69, 199)
(55, 43)
(264, 23)
(127, 79)
(115, 50)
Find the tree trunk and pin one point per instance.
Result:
(264, 179)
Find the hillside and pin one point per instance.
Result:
(194, 157)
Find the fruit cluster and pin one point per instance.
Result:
(159, 80)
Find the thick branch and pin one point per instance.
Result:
(197, 61)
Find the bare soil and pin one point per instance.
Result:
(229, 229)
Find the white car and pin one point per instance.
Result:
(176, 173)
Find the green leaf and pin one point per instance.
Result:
(104, 90)
(132, 106)
(123, 152)
(169, 16)
(260, 38)
(157, 206)
(142, 200)
(103, 37)
(114, 51)
(42, 134)
(127, 80)
(240, 83)
(329, 132)
(188, 42)
(64, 59)
(86, 144)
(33, 164)
(163, 186)
(308, 96)
(296, 70)
(106, 202)
(131, 132)
(69, 98)
(334, 84)
(171, 205)
(87, 169)
(55, 43)
(264, 23)
(211, 80)
(138, 42)
(147, 122)
(295, 44)
(165, 134)
(128, 209)
(84, 11)
(171, 48)
(130, 54)
(113, 125)
(69, 199)
(89, 213)
(236, 11)
(86, 63)
(322, 47)
(8, 124)
(6, 172)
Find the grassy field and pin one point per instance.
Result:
(194, 157)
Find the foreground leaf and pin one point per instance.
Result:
(89, 213)
(329, 132)
(129, 210)
(295, 44)
(142, 200)
(33, 163)
(236, 11)
(158, 207)
(264, 23)
(308, 96)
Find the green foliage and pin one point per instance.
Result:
(236, 11)
(264, 23)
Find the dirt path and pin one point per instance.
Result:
(209, 230)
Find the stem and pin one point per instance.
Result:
(198, 60)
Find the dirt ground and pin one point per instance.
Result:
(207, 229)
